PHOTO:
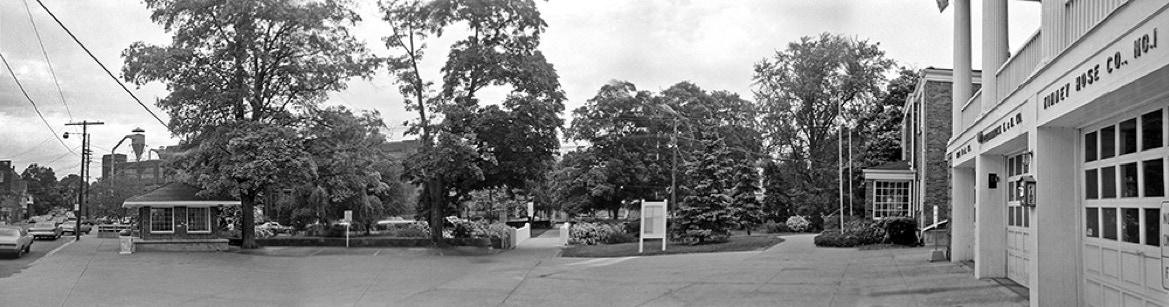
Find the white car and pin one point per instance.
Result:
(15, 240)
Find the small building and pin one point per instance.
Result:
(14, 195)
(175, 218)
(889, 189)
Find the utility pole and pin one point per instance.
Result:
(85, 158)
(674, 167)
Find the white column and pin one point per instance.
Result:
(994, 48)
(962, 214)
(990, 248)
(1055, 228)
(962, 82)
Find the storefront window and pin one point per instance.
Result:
(162, 219)
(1154, 178)
(1128, 180)
(1092, 219)
(1109, 223)
(1151, 130)
(1128, 136)
(1107, 142)
(1090, 147)
(1108, 182)
(1090, 180)
(892, 199)
(1131, 225)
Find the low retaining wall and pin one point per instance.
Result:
(375, 242)
(181, 245)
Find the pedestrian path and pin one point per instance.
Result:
(546, 245)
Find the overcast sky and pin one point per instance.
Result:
(651, 43)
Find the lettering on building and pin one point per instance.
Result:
(1007, 124)
(962, 151)
(1111, 63)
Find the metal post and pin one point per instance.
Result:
(674, 165)
(85, 158)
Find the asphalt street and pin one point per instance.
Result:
(793, 273)
(11, 265)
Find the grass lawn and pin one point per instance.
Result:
(654, 247)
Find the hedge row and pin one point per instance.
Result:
(375, 242)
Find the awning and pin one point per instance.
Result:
(177, 195)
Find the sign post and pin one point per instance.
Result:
(348, 221)
(653, 223)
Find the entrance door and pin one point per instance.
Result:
(1018, 222)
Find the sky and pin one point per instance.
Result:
(651, 43)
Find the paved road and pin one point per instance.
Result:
(11, 265)
(794, 273)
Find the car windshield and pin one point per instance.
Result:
(45, 225)
(9, 232)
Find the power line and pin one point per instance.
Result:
(50, 63)
(103, 66)
(34, 104)
(33, 147)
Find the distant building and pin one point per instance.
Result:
(919, 183)
(14, 195)
(149, 173)
(399, 150)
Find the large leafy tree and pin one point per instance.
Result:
(877, 132)
(42, 184)
(237, 71)
(466, 146)
(804, 91)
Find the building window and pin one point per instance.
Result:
(162, 220)
(1109, 223)
(1128, 136)
(1108, 182)
(198, 219)
(892, 199)
(1153, 226)
(1090, 184)
(1128, 180)
(1130, 225)
(1090, 147)
(1151, 130)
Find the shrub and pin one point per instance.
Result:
(865, 231)
(469, 229)
(593, 233)
(798, 223)
(900, 230)
(633, 228)
(835, 239)
(412, 230)
(499, 230)
(773, 227)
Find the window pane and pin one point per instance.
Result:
(1154, 178)
(1090, 180)
(1019, 165)
(1090, 147)
(1128, 180)
(1128, 136)
(1010, 216)
(1151, 130)
(1010, 167)
(1107, 142)
(1109, 223)
(1011, 191)
(198, 219)
(162, 219)
(1108, 182)
(1026, 164)
(1026, 217)
(1153, 227)
(1131, 225)
(1092, 219)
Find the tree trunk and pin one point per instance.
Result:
(248, 220)
(434, 190)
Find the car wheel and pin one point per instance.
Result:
(19, 253)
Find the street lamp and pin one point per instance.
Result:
(138, 143)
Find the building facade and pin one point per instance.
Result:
(14, 196)
(1058, 163)
(918, 185)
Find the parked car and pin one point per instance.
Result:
(15, 241)
(71, 223)
(48, 229)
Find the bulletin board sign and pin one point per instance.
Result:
(653, 223)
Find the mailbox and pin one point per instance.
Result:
(1026, 191)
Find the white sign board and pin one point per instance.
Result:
(1165, 244)
(348, 216)
(653, 223)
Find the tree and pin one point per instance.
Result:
(878, 128)
(106, 196)
(246, 65)
(706, 215)
(802, 92)
(42, 184)
(501, 49)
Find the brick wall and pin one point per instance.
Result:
(933, 165)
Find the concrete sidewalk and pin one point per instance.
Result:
(794, 273)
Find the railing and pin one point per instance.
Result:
(1083, 15)
(1018, 68)
(971, 111)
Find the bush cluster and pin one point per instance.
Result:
(798, 223)
(901, 231)
(413, 230)
(594, 233)
(773, 227)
